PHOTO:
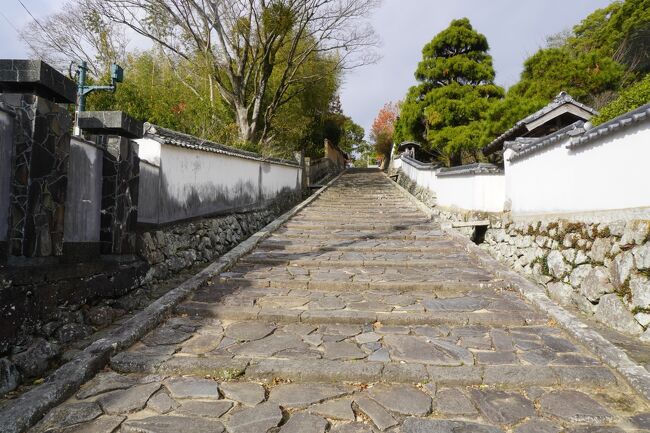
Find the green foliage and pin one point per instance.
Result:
(455, 92)
(583, 75)
(153, 91)
(629, 99)
(611, 31)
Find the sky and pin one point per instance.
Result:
(515, 30)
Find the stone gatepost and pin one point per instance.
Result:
(121, 170)
(32, 92)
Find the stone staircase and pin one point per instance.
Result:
(358, 315)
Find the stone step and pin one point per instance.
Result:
(440, 287)
(441, 258)
(317, 371)
(286, 245)
(352, 235)
(351, 217)
(379, 226)
(357, 317)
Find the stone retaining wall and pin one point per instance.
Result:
(173, 248)
(603, 268)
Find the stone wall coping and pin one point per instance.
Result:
(527, 147)
(110, 123)
(25, 411)
(36, 76)
(620, 123)
(80, 139)
(174, 138)
(418, 164)
(479, 168)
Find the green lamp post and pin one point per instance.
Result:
(117, 76)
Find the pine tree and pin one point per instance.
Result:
(456, 87)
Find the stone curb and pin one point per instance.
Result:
(23, 412)
(635, 374)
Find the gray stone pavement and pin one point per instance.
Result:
(359, 315)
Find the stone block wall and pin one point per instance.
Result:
(41, 147)
(601, 268)
(170, 249)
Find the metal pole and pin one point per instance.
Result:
(81, 95)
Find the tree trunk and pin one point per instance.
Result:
(246, 130)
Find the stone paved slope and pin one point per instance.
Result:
(359, 315)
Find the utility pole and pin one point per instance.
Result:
(117, 76)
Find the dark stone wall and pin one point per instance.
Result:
(6, 154)
(32, 296)
(120, 191)
(39, 177)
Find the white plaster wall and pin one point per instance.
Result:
(84, 193)
(195, 183)
(483, 192)
(610, 173)
(480, 192)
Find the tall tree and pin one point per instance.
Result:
(382, 131)
(456, 88)
(243, 43)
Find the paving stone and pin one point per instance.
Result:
(191, 387)
(403, 399)
(270, 345)
(537, 425)
(304, 423)
(425, 351)
(206, 409)
(367, 337)
(162, 403)
(573, 406)
(167, 335)
(453, 402)
(641, 420)
(354, 427)
(246, 393)
(128, 400)
(217, 367)
(315, 370)
(593, 377)
(200, 344)
(405, 373)
(594, 429)
(452, 376)
(380, 355)
(103, 382)
(256, 419)
(302, 329)
(502, 407)
(519, 375)
(103, 424)
(249, 331)
(377, 414)
(172, 424)
(297, 395)
(419, 425)
(67, 415)
(496, 358)
(328, 303)
(143, 361)
(343, 351)
(335, 409)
